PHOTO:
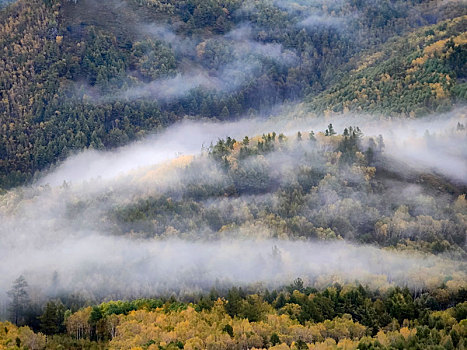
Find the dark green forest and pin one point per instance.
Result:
(86, 74)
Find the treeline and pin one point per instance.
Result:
(310, 185)
(68, 71)
(295, 317)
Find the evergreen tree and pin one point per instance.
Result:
(51, 320)
(19, 300)
(312, 136)
(330, 130)
(274, 340)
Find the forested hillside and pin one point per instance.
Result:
(90, 74)
(312, 185)
(233, 174)
(421, 72)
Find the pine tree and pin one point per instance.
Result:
(312, 136)
(330, 130)
(225, 113)
(19, 300)
(52, 318)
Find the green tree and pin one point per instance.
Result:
(229, 330)
(234, 301)
(19, 300)
(225, 113)
(51, 320)
(274, 340)
(330, 131)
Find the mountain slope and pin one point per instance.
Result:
(90, 74)
(413, 75)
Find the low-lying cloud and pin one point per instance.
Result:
(244, 62)
(50, 233)
(317, 21)
(103, 266)
(430, 143)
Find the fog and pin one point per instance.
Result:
(108, 266)
(242, 40)
(313, 14)
(316, 20)
(173, 87)
(163, 32)
(60, 238)
(240, 55)
(427, 143)
(242, 62)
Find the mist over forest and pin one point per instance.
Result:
(64, 215)
(225, 174)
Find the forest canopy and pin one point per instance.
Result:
(227, 174)
(90, 75)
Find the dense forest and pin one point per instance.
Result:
(228, 174)
(295, 317)
(86, 74)
(410, 76)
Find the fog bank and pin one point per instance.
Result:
(100, 266)
(62, 244)
(427, 144)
